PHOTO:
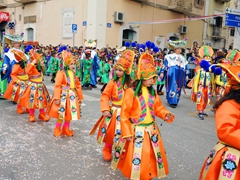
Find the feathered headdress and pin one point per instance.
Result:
(177, 44)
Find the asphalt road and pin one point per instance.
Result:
(30, 151)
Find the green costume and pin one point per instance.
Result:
(3, 84)
(79, 68)
(159, 81)
(53, 65)
(133, 72)
(105, 76)
(100, 70)
(87, 65)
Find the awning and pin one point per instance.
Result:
(4, 16)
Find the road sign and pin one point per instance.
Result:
(84, 23)
(232, 23)
(232, 17)
(232, 11)
(74, 28)
(109, 25)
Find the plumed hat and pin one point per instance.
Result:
(126, 61)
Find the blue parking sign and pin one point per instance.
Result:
(74, 27)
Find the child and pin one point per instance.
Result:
(160, 81)
(36, 95)
(19, 80)
(67, 97)
(222, 86)
(143, 156)
(107, 73)
(87, 65)
(203, 82)
(223, 161)
(78, 66)
(53, 66)
(109, 130)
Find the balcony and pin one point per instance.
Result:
(25, 1)
(218, 33)
(3, 4)
(181, 6)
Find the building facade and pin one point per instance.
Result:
(216, 34)
(108, 21)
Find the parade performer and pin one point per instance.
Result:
(109, 130)
(107, 72)
(223, 161)
(176, 69)
(140, 153)
(36, 95)
(204, 81)
(100, 70)
(3, 83)
(14, 41)
(222, 80)
(160, 81)
(19, 80)
(67, 97)
(87, 66)
(91, 46)
(78, 63)
(54, 66)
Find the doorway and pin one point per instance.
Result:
(30, 34)
(128, 36)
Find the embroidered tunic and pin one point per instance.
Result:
(138, 120)
(109, 130)
(36, 95)
(68, 90)
(17, 85)
(223, 161)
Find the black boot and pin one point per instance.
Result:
(200, 116)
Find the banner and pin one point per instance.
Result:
(178, 20)
(4, 16)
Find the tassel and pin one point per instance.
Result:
(138, 88)
(152, 91)
(123, 79)
(115, 77)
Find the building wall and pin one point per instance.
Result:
(216, 7)
(49, 26)
(138, 12)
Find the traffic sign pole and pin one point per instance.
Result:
(74, 30)
(73, 39)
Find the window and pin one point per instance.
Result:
(232, 32)
(219, 21)
(199, 3)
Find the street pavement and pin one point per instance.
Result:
(30, 151)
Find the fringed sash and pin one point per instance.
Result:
(229, 162)
(137, 154)
(204, 80)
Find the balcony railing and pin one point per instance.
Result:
(25, 1)
(218, 33)
(2, 3)
(183, 6)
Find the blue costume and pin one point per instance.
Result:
(8, 63)
(176, 69)
(94, 69)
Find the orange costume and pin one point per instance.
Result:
(223, 161)
(203, 82)
(143, 157)
(36, 95)
(68, 93)
(221, 81)
(109, 130)
(19, 80)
